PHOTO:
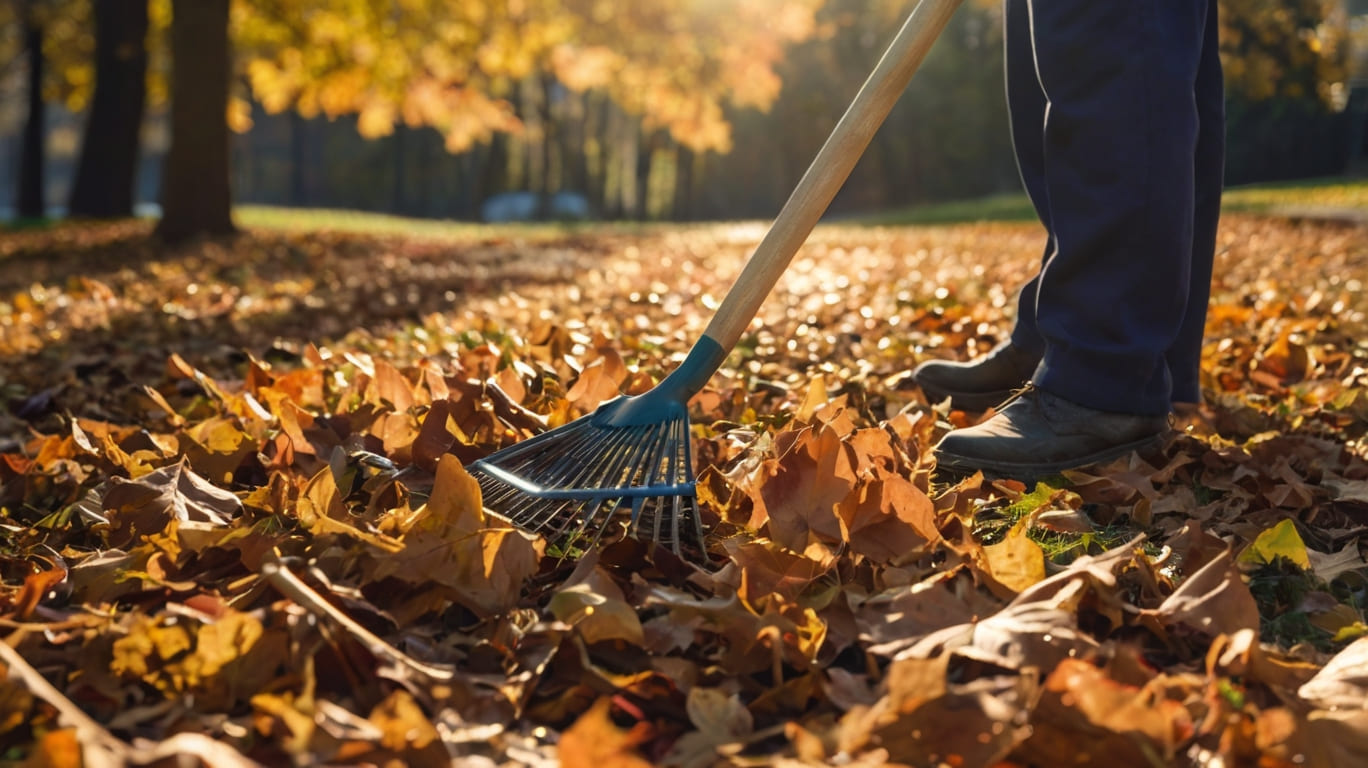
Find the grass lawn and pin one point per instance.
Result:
(1329, 198)
(1316, 197)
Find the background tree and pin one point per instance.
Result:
(196, 197)
(1286, 70)
(109, 153)
(31, 198)
(573, 95)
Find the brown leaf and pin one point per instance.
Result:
(1085, 716)
(595, 385)
(720, 719)
(1063, 521)
(434, 437)
(449, 542)
(926, 719)
(1213, 601)
(1343, 682)
(799, 492)
(597, 609)
(144, 506)
(892, 520)
(767, 570)
(896, 618)
(36, 588)
(403, 726)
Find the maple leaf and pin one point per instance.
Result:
(799, 491)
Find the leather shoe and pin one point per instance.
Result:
(1038, 433)
(977, 385)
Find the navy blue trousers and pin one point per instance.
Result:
(1118, 123)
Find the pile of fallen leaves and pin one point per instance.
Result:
(237, 527)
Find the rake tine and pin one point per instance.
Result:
(595, 474)
(655, 476)
(673, 462)
(686, 449)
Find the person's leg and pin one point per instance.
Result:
(1026, 110)
(1120, 140)
(1185, 356)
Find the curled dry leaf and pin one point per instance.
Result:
(598, 610)
(143, 507)
(1213, 601)
(1343, 682)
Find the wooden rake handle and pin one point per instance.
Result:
(829, 169)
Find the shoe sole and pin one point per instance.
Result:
(963, 465)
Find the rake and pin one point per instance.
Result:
(633, 455)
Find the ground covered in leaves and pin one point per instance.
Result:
(236, 526)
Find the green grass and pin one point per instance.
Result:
(1007, 207)
(1327, 196)
(992, 526)
(326, 219)
(23, 224)
(1280, 588)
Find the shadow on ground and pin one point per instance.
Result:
(89, 313)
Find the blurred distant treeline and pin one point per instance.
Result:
(650, 109)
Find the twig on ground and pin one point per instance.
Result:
(293, 587)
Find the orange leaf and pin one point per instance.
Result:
(594, 741)
(800, 494)
(892, 520)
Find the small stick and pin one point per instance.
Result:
(101, 747)
(293, 587)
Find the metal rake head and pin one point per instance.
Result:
(574, 483)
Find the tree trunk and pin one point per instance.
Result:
(31, 201)
(109, 153)
(196, 198)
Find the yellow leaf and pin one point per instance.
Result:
(1016, 562)
(816, 398)
(455, 503)
(1282, 540)
(402, 723)
(239, 115)
(220, 643)
(376, 119)
(130, 652)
